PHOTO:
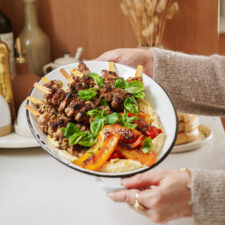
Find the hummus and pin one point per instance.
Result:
(125, 165)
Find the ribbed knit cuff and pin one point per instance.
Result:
(208, 197)
(194, 83)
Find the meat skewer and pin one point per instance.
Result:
(139, 71)
(66, 75)
(111, 67)
(34, 100)
(33, 110)
(42, 88)
(45, 79)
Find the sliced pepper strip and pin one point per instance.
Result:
(147, 159)
(98, 154)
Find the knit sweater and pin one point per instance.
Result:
(196, 84)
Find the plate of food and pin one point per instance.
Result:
(102, 118)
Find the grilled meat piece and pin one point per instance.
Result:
(82, 116)
(54, 84)
(109, 79)
(116, 98)
(129, 79)
(75, 105)
(65, 102)
(82, 67)
(81, 83)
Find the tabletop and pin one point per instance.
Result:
(36, 189)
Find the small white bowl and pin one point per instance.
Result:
(21, 125)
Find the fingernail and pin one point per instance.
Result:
(110, 194)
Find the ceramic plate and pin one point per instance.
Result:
(205, 136)
(14, 140)
(155, 95)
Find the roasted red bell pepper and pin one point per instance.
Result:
(147, 159)
(99, 153)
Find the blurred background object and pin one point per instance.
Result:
(66, 59)
(6, 35)
(5, 82)
(148, 19)
(22, 79)
(5, 118)
(100, 25)
(21, 124)
(34, 41)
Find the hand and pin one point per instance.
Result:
(170, 199)
(130, 57)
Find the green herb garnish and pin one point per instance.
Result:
(112, 118)
(140, 94)
(147, 147)
(104, 102)
(88, 141)
(98, 80)
(131, 105)
(124, 121)
(121, 83)
(94, 113)
(87, 94)
(134, 87)
(97, 124)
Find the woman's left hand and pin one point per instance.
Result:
(168, 200)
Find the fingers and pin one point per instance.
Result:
(127, 196)
(110, 56)
(144, 180)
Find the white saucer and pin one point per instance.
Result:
(14, 140)
(205, 135)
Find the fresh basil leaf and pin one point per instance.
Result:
(88, 141)
(131, 119)
(131, 105)
(74, 139)
(94, 113)
(140, 94)
(96, 125)
(134, 87)
(121, 83)
(104, 102)
(63, 129)
(147, 147)
(104, 113)
(124, 121)
(87, 94)
(94, 89)
(71, 129)
(130, 125)
(98, 80)
(112, 118)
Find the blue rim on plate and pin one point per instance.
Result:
(96, 173)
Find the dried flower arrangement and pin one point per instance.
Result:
(148, 19)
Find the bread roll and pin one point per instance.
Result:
(186, 137)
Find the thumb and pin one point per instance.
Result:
(108, 56)
(144, 180)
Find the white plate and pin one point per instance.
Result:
(155, 95)
(14, 140)
(205, 135)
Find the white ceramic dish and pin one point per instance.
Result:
(205, 136)
(14, 140)
(155, 95)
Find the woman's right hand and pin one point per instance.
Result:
(130, 57)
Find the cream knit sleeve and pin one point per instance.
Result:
(208, 197)
(196, 84)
